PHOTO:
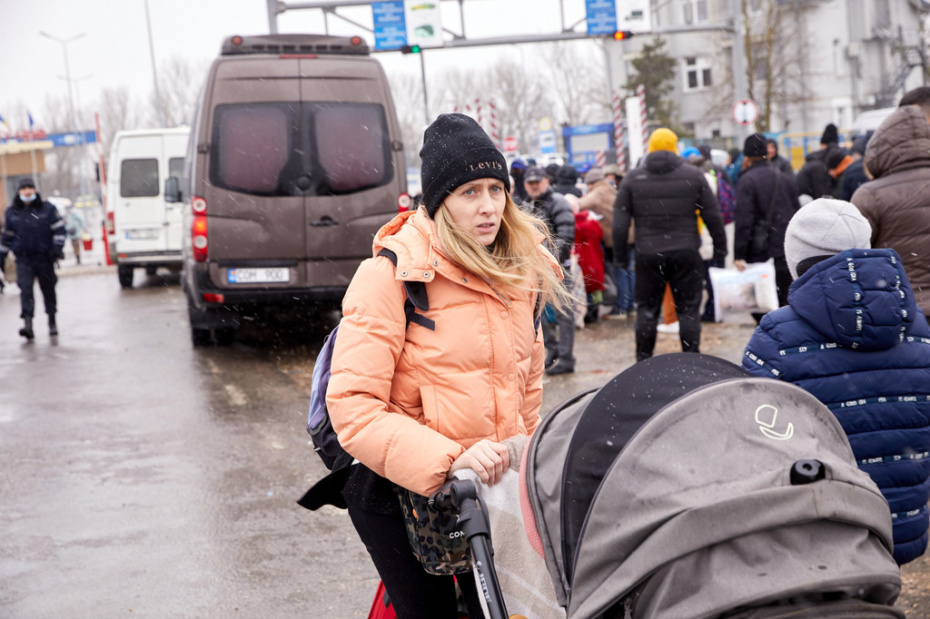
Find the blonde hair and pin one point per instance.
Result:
(514, 260)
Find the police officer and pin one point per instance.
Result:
(35, 233)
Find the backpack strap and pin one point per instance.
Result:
(417, 298)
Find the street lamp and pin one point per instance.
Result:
(64, 48)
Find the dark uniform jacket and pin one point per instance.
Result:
(664, 196)
(33, 231)
(754, 196)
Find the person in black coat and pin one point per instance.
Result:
(777, 160)
(763, 194)
(855, 175)
(35, 233)
(554, 209)
(566, 179)
(813, 179)
(664, 196)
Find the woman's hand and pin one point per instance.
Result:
(740, 265)
(486, 458)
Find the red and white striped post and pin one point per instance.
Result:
(478, 112)
(600, 158)
(492, 123)
(618, 132)
(641, 95)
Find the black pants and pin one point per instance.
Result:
(414, 593)
(683, 270)
(28, 270)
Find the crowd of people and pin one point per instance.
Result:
(495, 241)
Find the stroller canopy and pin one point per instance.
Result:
(685, 488)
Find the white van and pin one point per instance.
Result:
(143, 230)
(870, 120)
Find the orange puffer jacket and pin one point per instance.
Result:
(407, 401)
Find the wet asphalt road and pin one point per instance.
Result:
(143, 477)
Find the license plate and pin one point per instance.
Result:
(258, 276)
(142, 234)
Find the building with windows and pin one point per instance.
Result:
(811, 62)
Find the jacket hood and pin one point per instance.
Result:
(901, 142)
(662, 162)
(859, 298)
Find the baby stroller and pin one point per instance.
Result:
(686, 489)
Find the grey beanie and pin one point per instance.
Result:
(825, 227)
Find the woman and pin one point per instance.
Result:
(414, 405)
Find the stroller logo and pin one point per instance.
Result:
(767, 418)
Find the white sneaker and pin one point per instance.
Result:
(668, 328)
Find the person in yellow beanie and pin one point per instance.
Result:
(663, 139)
(662, 195)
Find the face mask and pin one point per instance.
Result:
(28, 199)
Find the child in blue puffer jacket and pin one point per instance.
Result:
(853, 336)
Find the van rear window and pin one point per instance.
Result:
(309, 149)
(138, 178)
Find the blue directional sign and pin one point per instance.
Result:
(390, 24)
(73, 139)
(601, 16)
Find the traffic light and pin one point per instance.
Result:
(410, 49)
(620, 35)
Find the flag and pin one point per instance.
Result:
(5, 125)
(31, 123)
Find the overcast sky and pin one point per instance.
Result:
(114, 48)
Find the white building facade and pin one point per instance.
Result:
(829, 60)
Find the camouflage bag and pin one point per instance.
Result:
(434, 536)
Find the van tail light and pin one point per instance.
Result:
(404, 202)
(111, 224)
(212, 297)
(199, 229)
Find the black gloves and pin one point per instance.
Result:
(57, 254)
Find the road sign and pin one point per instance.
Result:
(745, 111)
(390, 27)
(601, 16)
(424, 23)
(510, 144)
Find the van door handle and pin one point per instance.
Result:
(324, 222)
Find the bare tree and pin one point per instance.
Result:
(179, 84)
(118, 110)
(774, 55)
(575, 83)
(407, 92)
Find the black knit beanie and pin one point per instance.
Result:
(755, 146)
(457, 150)
(830, 135)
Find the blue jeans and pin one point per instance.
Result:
(626, 282)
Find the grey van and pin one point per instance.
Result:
(294, 162)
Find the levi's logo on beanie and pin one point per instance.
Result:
(456, 150)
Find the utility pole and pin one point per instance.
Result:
(161, 111)
(740, 89)
(73, 118)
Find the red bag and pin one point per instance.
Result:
(381, 607)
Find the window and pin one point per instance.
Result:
(308, 149)
(697, 73)
(694, 11)
(176, 166)
(138, 178)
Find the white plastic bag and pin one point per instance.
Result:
(750, 290)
